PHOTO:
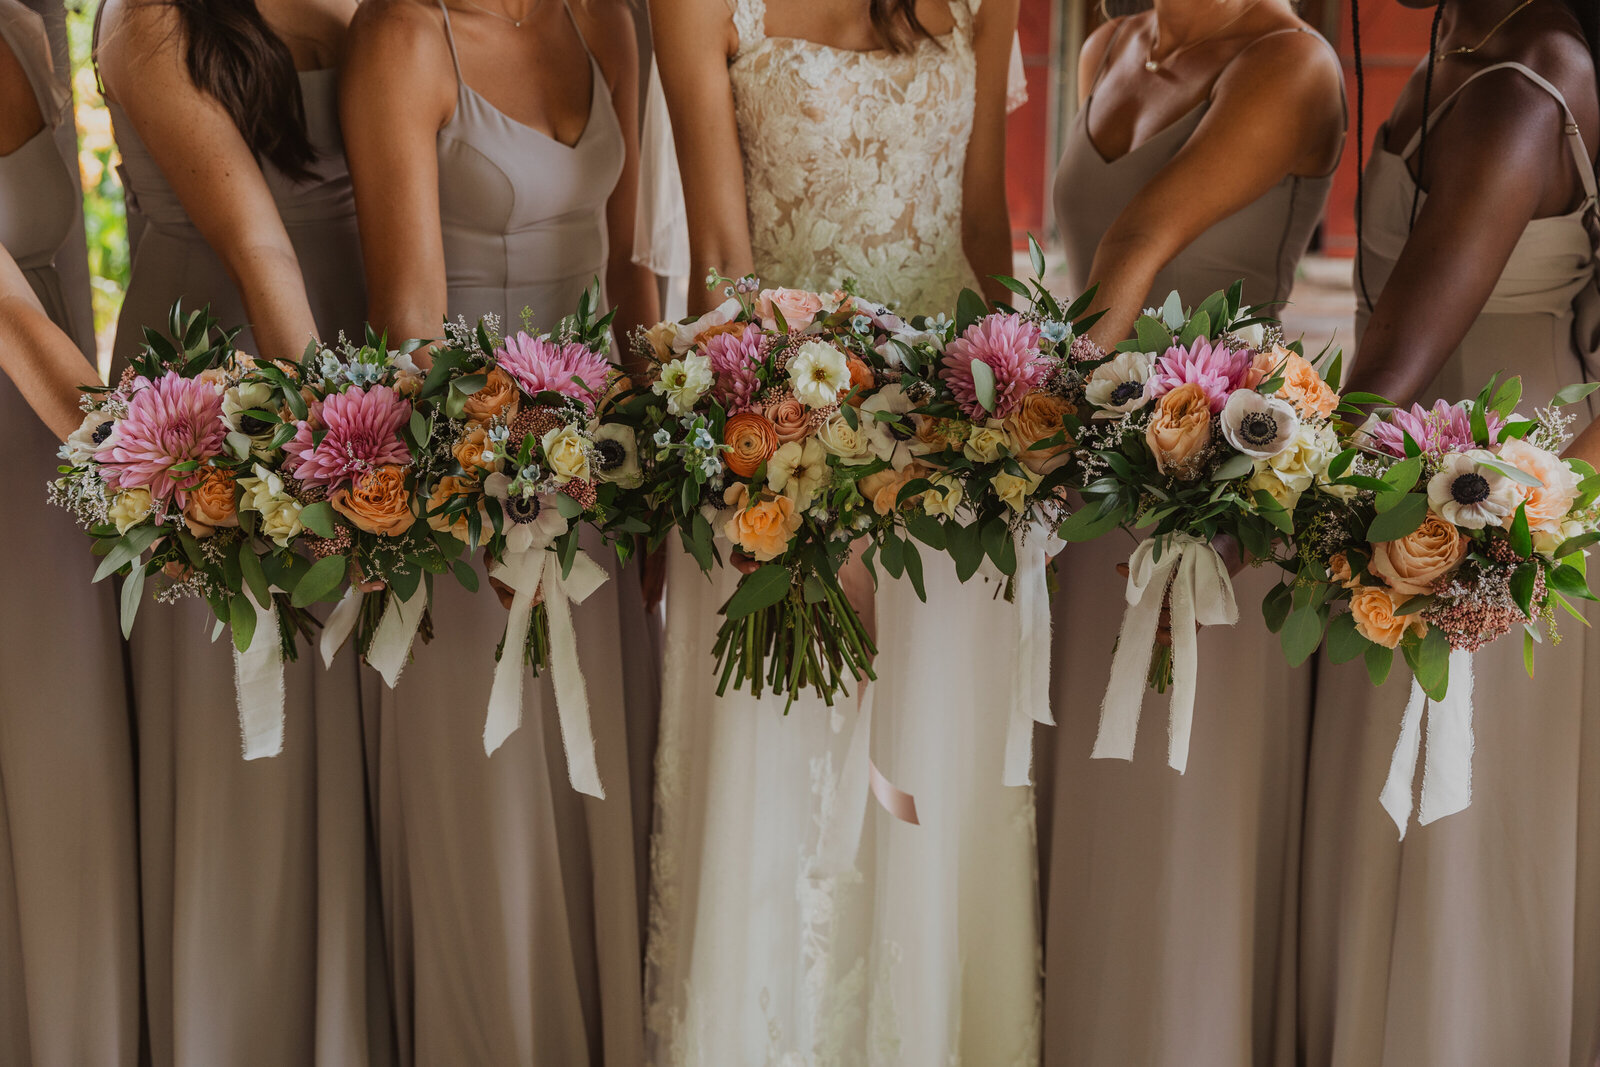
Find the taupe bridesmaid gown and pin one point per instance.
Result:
(261, 917)
(1170, 899)
(69, 893)
(1475, 942)
(512, 901)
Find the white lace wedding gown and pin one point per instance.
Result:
(764, 948)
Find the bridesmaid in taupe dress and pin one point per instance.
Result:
(493, 153)
(258, 886)
(1475, 941)
(69, 895)
(1170, 900)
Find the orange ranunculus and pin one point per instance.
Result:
(1038, 418)
(860, 378)
(211, 503)
(752, 438)
(1180, 431)
(378, 501)
(763, 527)
(1413, 563)
(790, 419)
(450, 486)
(1374, 609)
(472, 449)
(497, 396)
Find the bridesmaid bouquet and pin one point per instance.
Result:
(522, 455)
(767, 428)
(1203, 425)
(1450, 527)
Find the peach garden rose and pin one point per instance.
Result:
(763, 527)
(1411, 565)
(210, 503)
(497, 396)
(377, 502)
(1180, 430)
(1374, 609)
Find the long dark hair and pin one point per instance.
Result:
(234, 57)
(896, 23)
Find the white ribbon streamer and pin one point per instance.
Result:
(341, 620)
(1030, 675)
(1447, 769)
(258, 684)
(397, 629)
(1201, 594)
(524, 573)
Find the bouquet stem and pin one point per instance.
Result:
(796, 644)
(1161, 668)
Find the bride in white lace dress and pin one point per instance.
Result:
(818, 142)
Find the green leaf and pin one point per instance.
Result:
(1402, 477)
(242, 617)
(1522, 583)
(699, 541)
(1527, 651)
(318, 518)
(1399, 520)
(766, 586)
(1172, 310)
(1368, 398)
(1573, 393)
(132, 595)
(1505, 400)
(1516, 474)
(1573, 544)
(893, 556)
(1521, 539)
(1345, 643)
(1570, 580)
(1152, 334)
(925, 528)
(1088, 523)
(128, 548)
(567, 507)
(254, 576)
(1236, 467)
(1197, 327)
(1379, 660)
(983, 384)
(1430, 662)
(323, 578)
(965, 546)
(1036, 257)
(1302, 633)
(913, 562)
(970, 307)
(1275, 606)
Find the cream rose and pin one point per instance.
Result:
(945, 496)
(1416, 561)
(566, 453)
(852, 444)
(129, 508)
(987, 443)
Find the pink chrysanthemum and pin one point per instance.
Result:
(734, 359)
(362, 433)
(542, 366)
(1216, 369)
(1439, 430)
(1009, 346)
(169, 420)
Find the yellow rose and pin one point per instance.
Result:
(1267, 478)
(1416, 561)
(1374, 609)
(762, 528)
(1180, 431)
(944, 504)
(566, 453)
(129, 508)
(850, 443)
(1013, 491)
(985, 444)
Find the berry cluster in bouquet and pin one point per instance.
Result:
(764, 436)
(1451, 527)
(1204, 426)
(524, 456)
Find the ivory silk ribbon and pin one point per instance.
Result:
(397, 629)
(525, 572)
(1030, 675)
(1201, 593)
(258, 684)
(341, 620)
(1447, 768)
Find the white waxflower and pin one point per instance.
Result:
(818, 373)
(683, 382)
(1259, 426)
(1118, 386)
(1471, 495)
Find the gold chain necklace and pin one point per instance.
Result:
(1152, 64)
(1468, 49)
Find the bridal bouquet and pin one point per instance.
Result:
(1451, 527)
(522, 458)
(1203, 425)
(764, 430)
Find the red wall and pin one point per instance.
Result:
(1027, 136)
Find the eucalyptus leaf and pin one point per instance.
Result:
(1345, 642)
(132, 595)
(242, 617)
(764, 587)
(318, 518)
(1402, 519)
(254, 576)
(1379, 661)
(1573, 393)
(983, 386)
(323, 578)
(1301, 634)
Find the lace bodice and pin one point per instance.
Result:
(853, 160)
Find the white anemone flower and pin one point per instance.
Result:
(1259, 426)
(1471, 495)
(890, 441)
(818, 373)
(95, 430)
(617, 450)
(535, 518)
(1118, 386)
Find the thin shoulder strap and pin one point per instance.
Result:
(577, 29)
(1105, 57)
(1344, 101)
(1580, 153)
(23, 30)
(450, 36)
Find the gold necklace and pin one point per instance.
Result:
(500, 14)
(1152, 64)
(1468, 49)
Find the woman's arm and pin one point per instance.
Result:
(1587, 446)
(396, 89)
(693, 40)
(40, 360)
(985, 219)
(210, 168)
(1271, 112)
(632, 288)
(1493, 150)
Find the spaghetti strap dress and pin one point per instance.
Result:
(1170, 898)
(69, 893)
(1475, 941)
(259, 892)
(511, 900)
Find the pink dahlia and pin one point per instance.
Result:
(1438, 431)
(1216, 369)
(169, 420)
(362, 433)
(1009, 346)
(542, 366)
(734, 359)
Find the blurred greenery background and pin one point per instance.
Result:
(104, 222)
